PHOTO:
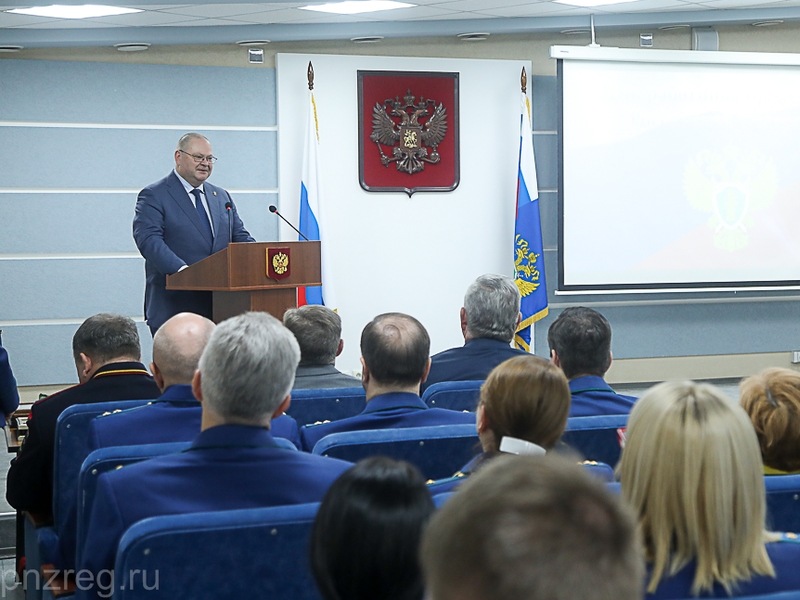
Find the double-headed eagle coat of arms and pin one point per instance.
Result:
(410, 130)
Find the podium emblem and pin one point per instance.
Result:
(278, 263)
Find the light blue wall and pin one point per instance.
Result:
(79, 140)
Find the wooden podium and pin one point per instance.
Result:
(237, 278)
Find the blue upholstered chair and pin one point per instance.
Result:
(595, 438)
(783, 502)
(437, 451)
(455, 395)
(43, 544)
(252, 553)
(439, 500)
(310, 406)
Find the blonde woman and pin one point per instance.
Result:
(691, 469)
(772, 401)
(523, 409)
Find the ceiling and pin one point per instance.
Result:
(221, 21)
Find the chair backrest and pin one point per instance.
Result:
(310, 406)
(595, 438)
(439, 500)
(455, 395)
(72, 430)
(252, 553)
(437, 451)
(108, 459)
(783, 502)
(790, 595)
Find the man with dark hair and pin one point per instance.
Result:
(394, 361)
(179, 221)
(532, 528)
(107, 355)
(243, 381)
(580, 343)
(318, 330)
(489, 319)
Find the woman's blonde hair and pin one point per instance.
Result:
(526, 397)
(692, 471)
(772, 400)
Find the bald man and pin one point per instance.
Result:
(175, 416)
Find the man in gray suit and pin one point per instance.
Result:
(179, 221)
(319, 332)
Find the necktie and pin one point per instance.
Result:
(201, 211)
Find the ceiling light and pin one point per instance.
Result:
(253, 43)
(367, 39)
(591, 3)
(674, 27)
(10, 48)
(132, 47)
(472, 37)
(575, 31)
(354, 7)
(767, 23)
(86, 11)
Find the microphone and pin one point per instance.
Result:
(274, 209)
(229, 210)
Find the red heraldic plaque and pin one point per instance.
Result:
(408, 131)
(278, 264)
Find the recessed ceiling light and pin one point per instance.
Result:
(10, 48)
(132, 46)
(575, 31)
(253, 42)
(85, 11)
(591, 3)
(367, 39)
(767, 23)
(674, 27)
(472, 37)
(354, 7)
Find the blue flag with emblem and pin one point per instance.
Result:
(528, 252)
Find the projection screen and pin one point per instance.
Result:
(679, 170)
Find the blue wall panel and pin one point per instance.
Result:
(41, 157)
(544, 98)
(545, 153)
(69, 289)
(55, 91)
(42, 354)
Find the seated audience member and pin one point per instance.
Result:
(107, 354)
(9, 395)
(175, 415)
(523, 409)
(383, 504)
(772, 401)
(319, 332)
(489, 319)
(532, 528)
(580, 343)
(243, 382)
(691, 469)
(394, 361)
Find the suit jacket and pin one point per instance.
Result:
(30, 477)
(9, 396)
(228, 467)
(309, 377)
(474, 360)
(785, 556)
(169, 235)
(397, 409)
(592, 396)
(174, 417)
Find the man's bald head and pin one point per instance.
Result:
(395, 348)
(177, 347)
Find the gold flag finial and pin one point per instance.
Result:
(523, 81)
(310, 76)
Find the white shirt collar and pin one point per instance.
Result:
(188, 186)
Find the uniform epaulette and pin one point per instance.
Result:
(790, 537)
(457, 475)
(588, 462)
(121, 410)
(318, 423)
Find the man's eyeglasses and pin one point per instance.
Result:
(198, 158)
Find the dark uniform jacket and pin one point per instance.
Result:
(312, 377)
(30, 477)
(592, 396)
